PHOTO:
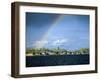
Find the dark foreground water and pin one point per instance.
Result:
(36, 61)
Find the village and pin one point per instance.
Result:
(55, 51)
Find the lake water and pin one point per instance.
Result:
(56, 60)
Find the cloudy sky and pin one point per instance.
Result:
(57, 30)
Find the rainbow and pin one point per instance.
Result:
(51, 27)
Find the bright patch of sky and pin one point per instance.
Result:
(66, 31)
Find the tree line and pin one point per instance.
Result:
(56, 51)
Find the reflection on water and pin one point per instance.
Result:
(55, 60)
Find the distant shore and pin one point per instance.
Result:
(55, 51)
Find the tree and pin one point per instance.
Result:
(84, 50)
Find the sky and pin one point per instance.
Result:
(48, 30)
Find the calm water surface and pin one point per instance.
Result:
(36, 61)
